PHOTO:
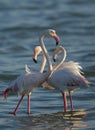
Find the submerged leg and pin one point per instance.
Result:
(65, 101)
(18, 105)
(71, 102)
(28, 105)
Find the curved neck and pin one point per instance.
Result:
(62, 59)
(45, 51)
(43, 63)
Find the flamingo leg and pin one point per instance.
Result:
(65, 101)
(28, 105)
(71, 103)
(18, 105)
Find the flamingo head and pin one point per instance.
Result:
(37, 51)
(53, 34)
(57, 51)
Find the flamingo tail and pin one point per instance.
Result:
(5, 93)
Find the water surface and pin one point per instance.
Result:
(21, 23)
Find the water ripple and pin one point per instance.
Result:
(21, 23)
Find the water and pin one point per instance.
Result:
(21, 23)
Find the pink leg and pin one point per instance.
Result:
(28, 105)
(18, 105)
(71, 103)
(65, 101)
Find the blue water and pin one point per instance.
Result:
(21, 24)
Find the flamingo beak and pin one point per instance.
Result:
(54, 58)
(35, 57)
(57, 39)
(34, 60)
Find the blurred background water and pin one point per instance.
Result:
(21, 23)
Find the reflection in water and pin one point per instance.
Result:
(53, 121)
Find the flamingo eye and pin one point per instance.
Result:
(52, 32)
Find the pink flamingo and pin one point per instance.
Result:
(68, 75)
(28, 81)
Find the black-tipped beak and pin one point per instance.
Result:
(57, 39)
(57, 43)
(54, 59)
(35, 60)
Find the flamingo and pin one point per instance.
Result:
(28, 81)
(68, 75)
(70, 78)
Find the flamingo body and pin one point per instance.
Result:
(27, 82)
(67, 78)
